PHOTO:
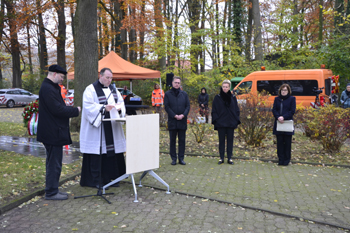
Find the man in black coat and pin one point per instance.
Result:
(53, 128)
(177, 105)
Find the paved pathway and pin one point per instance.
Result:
(249, 196)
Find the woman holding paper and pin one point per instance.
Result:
(283, 110)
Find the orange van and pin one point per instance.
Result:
(304, 84)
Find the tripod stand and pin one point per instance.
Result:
(99, 191)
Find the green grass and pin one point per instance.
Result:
(21, 174)
(13, 129)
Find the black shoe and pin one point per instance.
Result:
(63, 193)
(173, 162)
(220, 162)
(230, 161)
(98, 187)
(57, 196)
(182, 162)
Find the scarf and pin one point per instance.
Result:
(107, 125)
(176, 91)
(226, 97)
(348, 93)
(284, 97)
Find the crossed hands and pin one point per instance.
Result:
(179, 117)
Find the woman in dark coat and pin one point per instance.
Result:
(203, 99)
(225, 118)
(283, 109)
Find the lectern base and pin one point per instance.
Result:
(151, 172)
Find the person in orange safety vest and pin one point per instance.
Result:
(157, 97)
(64, 92)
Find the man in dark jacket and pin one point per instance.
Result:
(53, 128)
(177, 105)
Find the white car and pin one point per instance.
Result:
(16, 96)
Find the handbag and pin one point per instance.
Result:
(286, 126)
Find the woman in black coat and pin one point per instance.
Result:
(225, 118)
(283, 109)
(203, 99)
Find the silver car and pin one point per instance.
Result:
(16, 96)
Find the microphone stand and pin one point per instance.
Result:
(99, 191)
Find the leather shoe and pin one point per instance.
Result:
(57, 196)
(173, 162)
(230, 161)
(220, 162)
(98, 187)
(182, 162)
(63, 193)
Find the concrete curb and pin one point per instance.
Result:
(267, 160)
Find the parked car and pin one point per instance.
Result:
(70, 96)
(16, 96)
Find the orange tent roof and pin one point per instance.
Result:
(123, 70)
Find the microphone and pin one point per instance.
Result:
(114, 89)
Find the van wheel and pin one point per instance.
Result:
(10, 104)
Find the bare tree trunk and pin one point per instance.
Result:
(142, 35)
(320, 24)
(132, 39)
(15, 52)
(217, 43)
(249, 34)
(86, 51)
(29, 51)
(43, 56)
(118, 44)
(176, 32)
(71, 8)
(202, 39)
(2, 17)
(194, 9)
(61, 38)
(100, 37)
(159, 32)
(257, 31)
(295, 28)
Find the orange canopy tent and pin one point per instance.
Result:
(122, 69)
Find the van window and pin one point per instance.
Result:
(299, 87)
(328, 86)
(244, 88)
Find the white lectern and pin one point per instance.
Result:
(142, 148)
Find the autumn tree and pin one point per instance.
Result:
(86, 51)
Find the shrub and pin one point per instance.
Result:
(256, 119)
(197, 128)
(329, 125)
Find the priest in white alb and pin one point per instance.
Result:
(102, 93)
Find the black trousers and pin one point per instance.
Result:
(224, 133)
(112, 168)
(284, 149)
(53, 169)
(181, 134)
